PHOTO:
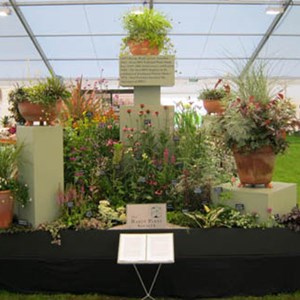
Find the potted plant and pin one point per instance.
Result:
(212, 98)
(43, 101)
(146, 32)
(11, 189)
(254, 125)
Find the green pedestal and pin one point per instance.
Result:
(280, 199)
(42, 170)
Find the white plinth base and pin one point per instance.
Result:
(280, 199)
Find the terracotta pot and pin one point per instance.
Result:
(255, 167)
(33, 112)
(6, 209)
(213, 106)
(142, 48)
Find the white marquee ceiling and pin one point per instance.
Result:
(75, 38)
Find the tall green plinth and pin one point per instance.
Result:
(146, 74)
(42, 170)
(147, 95)
(279, 199)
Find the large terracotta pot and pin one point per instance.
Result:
(255, 167)
(33, 112)
(142, 48)
(213, 106)
(6, 209)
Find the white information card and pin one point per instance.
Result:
(146, 248)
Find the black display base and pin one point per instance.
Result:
(208, 263)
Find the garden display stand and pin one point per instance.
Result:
(279, 199)
(42, 170)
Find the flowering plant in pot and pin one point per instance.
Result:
(11, 189)
(42, 101)
(254, 125)
(212, 98)
(146, 32)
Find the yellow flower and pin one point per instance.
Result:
(206, 208)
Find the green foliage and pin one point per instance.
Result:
(223, 216)
(83, 102)
(48, 92)
(16, 96)
(291, 220)
(213, 94)
(254, 117)
(9, 155)
(180, 219)
(148, 25)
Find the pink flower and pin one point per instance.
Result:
(110, 142)
(173, 159)
(109, 127)
(158, 192)
(166, 155)
(269, 210)
(156, 113)
(125, 129)
(141, 113)
(142, 106)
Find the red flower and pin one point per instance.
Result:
(142, 106)
(158, 192)
(141, 113)
(129, 111)
(156, 113)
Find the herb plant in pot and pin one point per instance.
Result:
(146, 33)
(43, 101)
(11, 189)
(254, 125)
(212, 98)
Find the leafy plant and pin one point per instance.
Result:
(223, 216)
(83, 103)
(9, 155)
(291, 220)
(16, 96)
(215, 93)
(48, 92)
(254, 117)
(148, 25)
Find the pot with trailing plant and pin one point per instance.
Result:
(254, 125)
(213, 98)
(43, 101)
(11, 189)
(147, 32)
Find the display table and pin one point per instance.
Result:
(208, 263)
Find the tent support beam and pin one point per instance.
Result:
(31, 36)
(266, 36)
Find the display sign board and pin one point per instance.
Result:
(146, 216)
(146, 248)
(147, 70)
